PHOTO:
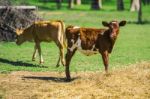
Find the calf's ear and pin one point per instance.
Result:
(18, 31)
(122, 23)
(105, 23)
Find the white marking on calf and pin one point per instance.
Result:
(76, 27)
(79, 47)
(75, 45)
(93, 47)
(72, 40)
(114, 22)
(102, 33)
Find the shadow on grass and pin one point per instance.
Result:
(1, 97)
(54, 79)
(20, 63)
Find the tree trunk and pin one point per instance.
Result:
(78, 2)
(140, 12)
(135, 5)
(96, 4)
(70, 4)
(120, 5)
(58, 3)
(146, 2)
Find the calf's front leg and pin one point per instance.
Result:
(34, 53)
(40, 53)
(105, 57)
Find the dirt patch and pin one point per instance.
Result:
(128, 83)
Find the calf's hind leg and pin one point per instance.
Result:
(61, 56)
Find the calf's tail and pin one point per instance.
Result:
(63, 34)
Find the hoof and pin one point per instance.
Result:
(57, 65)
(33, 59)
(64, 63)
(68, 80)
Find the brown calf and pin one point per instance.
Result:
(91, 41)
(44, 31)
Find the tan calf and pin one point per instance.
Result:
(44, 31)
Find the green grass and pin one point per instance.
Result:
(132, 45)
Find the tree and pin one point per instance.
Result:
(58, 3)
(70, 4)
(96, 4)
(146, 2)
(120, 5)
(135, 5)
(78, 2)
(140, 12)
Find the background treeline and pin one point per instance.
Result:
(80, 4)
(11, 19)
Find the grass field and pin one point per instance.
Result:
(131, 47)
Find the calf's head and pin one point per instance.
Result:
(113, 28)
(22, 36)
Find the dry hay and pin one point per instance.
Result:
(127, 83)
